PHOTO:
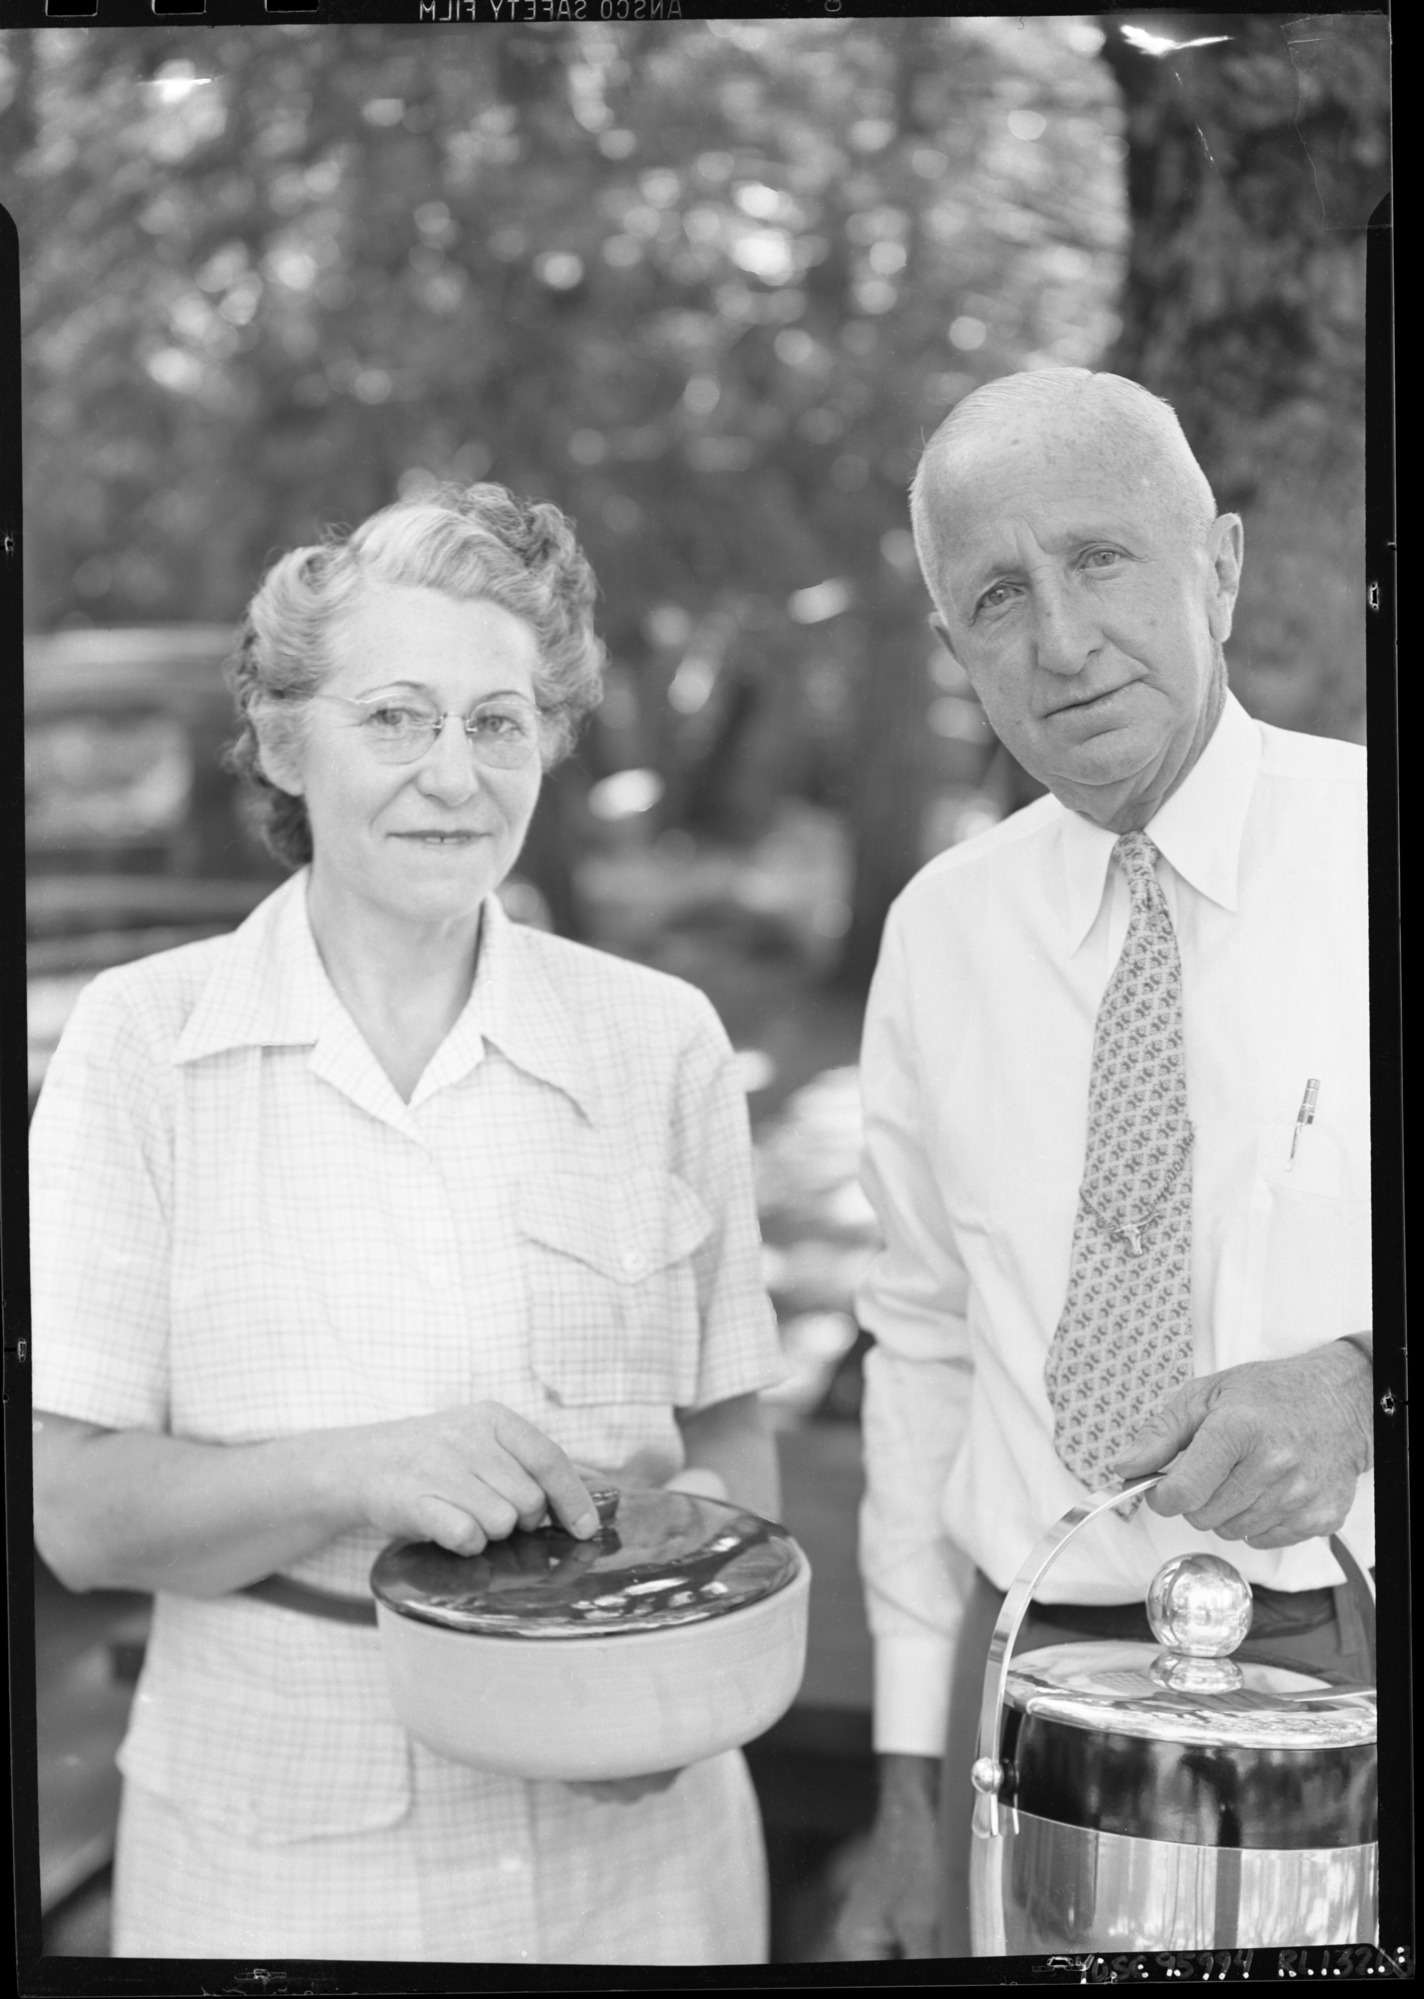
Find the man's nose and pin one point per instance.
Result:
(449, 770)
(1066, 633)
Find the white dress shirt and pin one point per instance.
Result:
(240, 1231)
(978, 1046)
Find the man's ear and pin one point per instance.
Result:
(941, 632)
(1224, 546)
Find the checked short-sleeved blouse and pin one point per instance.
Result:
(240, 1231)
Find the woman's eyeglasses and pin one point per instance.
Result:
(503, 734)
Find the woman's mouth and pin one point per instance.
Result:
(440, 839)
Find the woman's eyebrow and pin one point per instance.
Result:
(392, 687)
(420, 687)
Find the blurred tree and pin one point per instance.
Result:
(1255, 161)
(706, 284)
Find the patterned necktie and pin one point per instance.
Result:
(1124, 1341)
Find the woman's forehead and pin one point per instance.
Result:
(405, 633)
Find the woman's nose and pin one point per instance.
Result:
(448, 770)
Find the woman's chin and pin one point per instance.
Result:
(439, 890)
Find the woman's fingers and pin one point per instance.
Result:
(433, 1519)
(541, 1458)
(625, 1790)
(468, 1476)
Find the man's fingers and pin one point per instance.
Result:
(1258, 1488)
(1203, 1468)
(919, 1939)
(863, 1941)
(1168, 1430)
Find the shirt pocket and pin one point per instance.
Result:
(1312, 1247)
(611, 1286)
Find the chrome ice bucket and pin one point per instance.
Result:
(1135, 1798)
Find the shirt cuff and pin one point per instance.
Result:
(912, 1675)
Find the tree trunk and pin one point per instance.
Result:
(1254, 164)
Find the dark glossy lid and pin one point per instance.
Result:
(659, 1558)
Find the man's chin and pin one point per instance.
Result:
(1115, 753)
(1101, 777)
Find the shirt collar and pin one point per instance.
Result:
(1197, 830)
(271, 990)
(268, 989)
(518, 1009)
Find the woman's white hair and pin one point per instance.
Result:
(1137, 427)
(465, 541)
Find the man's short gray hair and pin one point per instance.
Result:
(1126, 416)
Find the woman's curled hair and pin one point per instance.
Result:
(466, 541)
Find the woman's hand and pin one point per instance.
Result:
(131, 1509)
(465, 1477)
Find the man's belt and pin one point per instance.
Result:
(1275, 1613)
(289, 1595)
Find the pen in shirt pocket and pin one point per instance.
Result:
(1305, 1115)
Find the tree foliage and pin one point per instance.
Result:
(706, 284)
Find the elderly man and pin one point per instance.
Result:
(1116, 1074)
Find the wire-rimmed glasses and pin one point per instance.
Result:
(503, 732)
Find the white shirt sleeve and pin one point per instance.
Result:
(917, 1387)
(100, 1177)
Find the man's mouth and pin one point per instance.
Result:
(1085, 701)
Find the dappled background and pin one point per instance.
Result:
(708, 286)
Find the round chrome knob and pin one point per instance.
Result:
(987, 1775)
(1200, 1606)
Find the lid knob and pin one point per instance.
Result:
(1200, 1607)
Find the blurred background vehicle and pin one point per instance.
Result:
(708, 285)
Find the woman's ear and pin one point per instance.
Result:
(277, 758)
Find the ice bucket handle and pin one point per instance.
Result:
(989, 1768)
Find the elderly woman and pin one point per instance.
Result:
(380, 1217)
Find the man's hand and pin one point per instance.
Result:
(1270, 1451)
(892, 1909)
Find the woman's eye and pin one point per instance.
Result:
(393, 721)
(501, 722)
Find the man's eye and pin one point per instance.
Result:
(1101, 558)
(996, 596)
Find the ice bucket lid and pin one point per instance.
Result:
(659, 1559)
(1117, 1687)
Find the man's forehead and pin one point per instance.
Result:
(999, 501)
